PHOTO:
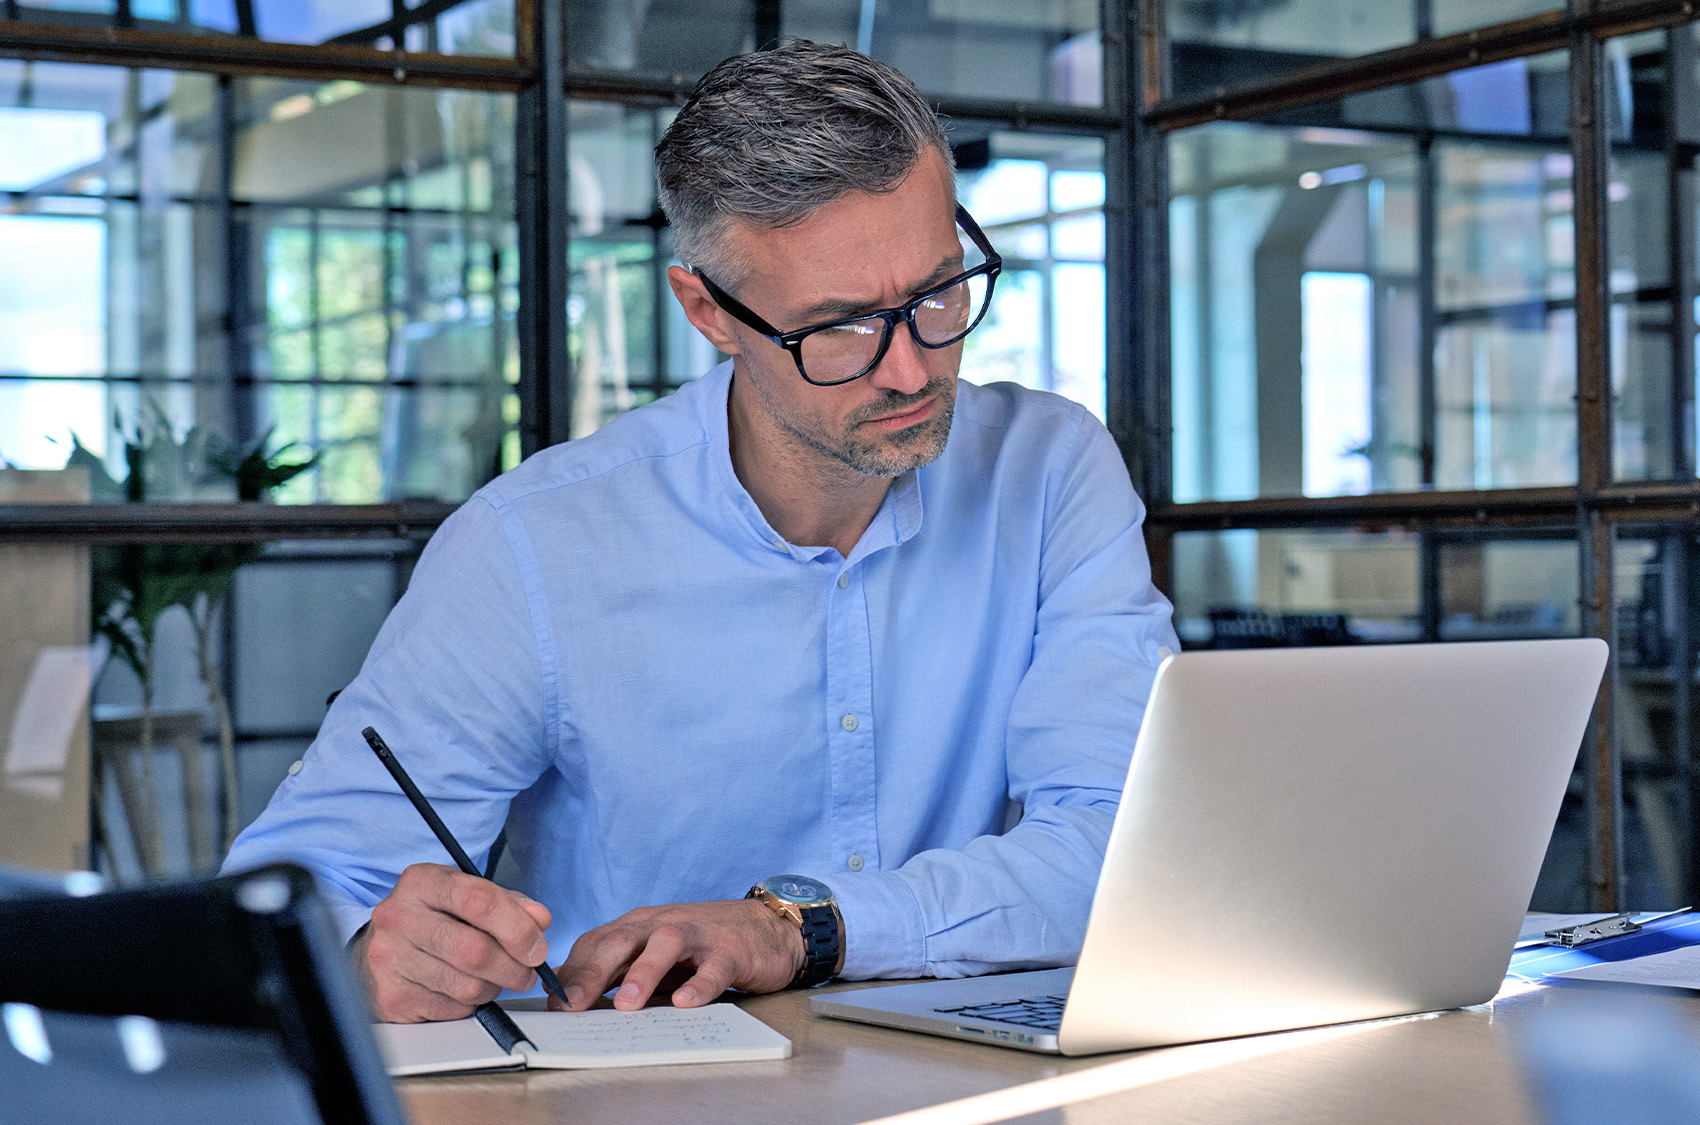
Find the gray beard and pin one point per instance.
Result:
(903, 451)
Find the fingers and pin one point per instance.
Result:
(664, 949)
(420, 987)
(540, 916)
(443, 942)
(718, 945)
(712, 978)
(597, 960)
(498, 912)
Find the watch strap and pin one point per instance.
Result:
(822, 944)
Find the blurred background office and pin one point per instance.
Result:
(1391, 305)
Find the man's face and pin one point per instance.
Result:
(857, 254)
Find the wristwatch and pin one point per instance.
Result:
(809, 904)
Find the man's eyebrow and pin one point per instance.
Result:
(828, 310)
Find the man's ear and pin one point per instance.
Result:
(710, 319)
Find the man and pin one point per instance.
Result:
(824, 611)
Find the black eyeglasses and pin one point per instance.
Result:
(850, 347)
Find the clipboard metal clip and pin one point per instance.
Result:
(1615, 926)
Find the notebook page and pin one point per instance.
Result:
(652, 1036)
(439, 1048)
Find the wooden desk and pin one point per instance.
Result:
(1452, 1067)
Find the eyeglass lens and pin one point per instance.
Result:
(845, 350)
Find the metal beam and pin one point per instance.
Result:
(217, 523)
(545, 375)
(226, 54)
(1397, 507)
(1591, 159)
(1148, 420)
(1425, 58)
(1680, 93)
(1122, 240)
(1602, 766)
(634, 89)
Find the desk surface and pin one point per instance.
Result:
(1450, 1067)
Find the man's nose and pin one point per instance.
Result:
(904, 367)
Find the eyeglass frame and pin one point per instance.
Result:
(792, 342)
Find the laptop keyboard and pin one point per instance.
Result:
(1042, 1012)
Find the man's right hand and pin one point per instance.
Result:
(444, 942)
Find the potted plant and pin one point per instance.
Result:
(134, 584)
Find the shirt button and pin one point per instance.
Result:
(855, 863)
(848, 722)
(294, 768)
(1165, 652)
(844, 581)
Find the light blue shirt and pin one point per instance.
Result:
(611, 651)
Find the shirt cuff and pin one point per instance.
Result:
(349, 917)
(883, 935)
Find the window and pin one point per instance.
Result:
(1429, 324)
(281, 283)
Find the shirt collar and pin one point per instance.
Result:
(898, 518)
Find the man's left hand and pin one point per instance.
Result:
(738, 944)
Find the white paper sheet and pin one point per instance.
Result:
(604, 1037)
(595, 1039)
(1674, 968)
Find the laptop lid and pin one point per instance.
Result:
(1311, 836)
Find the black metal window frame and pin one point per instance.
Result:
(1594, 509)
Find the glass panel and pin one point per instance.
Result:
(1041, 201)
(1003, 49)
(369, 241)
(1653, 709)
(1246, 588)
(1453, 16)
(629, 340)
(1224, 45)
(659, 37)
(1505, 350)
(1502, 587)
(1297, 294)
(1294, 307)
(451, 27)
(1255, 589)
(1648, 315)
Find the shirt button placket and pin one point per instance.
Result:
(849, 677)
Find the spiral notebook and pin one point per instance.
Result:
(595, 1039)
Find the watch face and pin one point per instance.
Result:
(797, 889)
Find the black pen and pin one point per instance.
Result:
(551, 982)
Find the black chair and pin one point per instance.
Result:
(220, 1000)
(1255, 628)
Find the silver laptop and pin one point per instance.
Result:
(1307, 836)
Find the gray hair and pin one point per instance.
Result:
(769, 137)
